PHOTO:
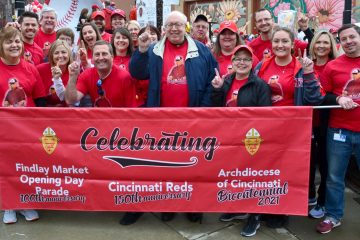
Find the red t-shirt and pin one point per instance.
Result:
(119, 88)
(26, 87)
(174, 88)
(41, 38)
(225, 64)
(33, 53)
(106, 37)
(52, 100)
(122, 62)
(263, 49)
(232, 95)
(342, 77)
(141, 86)
(281, 81)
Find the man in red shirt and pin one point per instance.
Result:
(29, 26)
(264, 23)
(46, 34)
(98, 18)
(180, 71)
(200, 29)
(107, 85)
(340, 77)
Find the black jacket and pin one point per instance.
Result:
(254, 93)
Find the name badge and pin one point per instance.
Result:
(339, 137)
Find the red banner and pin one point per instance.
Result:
(166, 159)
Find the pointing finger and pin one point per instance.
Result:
(217, 72)
(305, 55)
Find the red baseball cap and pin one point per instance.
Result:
(97, 13)
(242, 47)
(333, 30)
(95, 6)
(118, 12)
(231, 25)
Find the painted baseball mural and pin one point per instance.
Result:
(69, 11)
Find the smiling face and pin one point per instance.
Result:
(100, 23)
(121, 42)
(242, 63)
(264, 21)
(281, 44)
(29, 27)
(350, 42)
(134, 31)
(12, 48)
(175, 29)
(61, 56)
(48, 22)
(117, 21)
(102, 58)
(89, 35)
(227, 40)
(322, 46)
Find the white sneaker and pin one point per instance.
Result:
(10, 217)
(30, 215)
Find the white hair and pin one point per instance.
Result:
(48, 9)
(178, 14)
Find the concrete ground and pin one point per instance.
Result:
(63, 225)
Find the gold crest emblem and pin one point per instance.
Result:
(49, 140)
(252, 141)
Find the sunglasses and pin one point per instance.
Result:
(100, 89)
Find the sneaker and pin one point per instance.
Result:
(30, 215)
(312, 201)
(317, 211)
(227, 217)
(252, 225)
(327, 225)
(130, 218)
(9, 216)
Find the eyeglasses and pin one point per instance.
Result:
(177, 25)
(244, 60)
(100, 89)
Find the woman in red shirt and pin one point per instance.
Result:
(89, 34)
(20, 86)
(55, 73)
(322, 50)
(226, 41)
(293, 83)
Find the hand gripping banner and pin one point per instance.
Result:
(158, 159)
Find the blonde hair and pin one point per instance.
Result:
(333, 50)
(53, 47)
(134, 22)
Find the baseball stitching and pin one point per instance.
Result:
(69, 15)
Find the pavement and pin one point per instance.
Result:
(63, 225)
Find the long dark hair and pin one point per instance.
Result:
(126, 33)
(98, 36)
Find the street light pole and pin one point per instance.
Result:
(347, 12)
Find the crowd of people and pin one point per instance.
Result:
(116, 63)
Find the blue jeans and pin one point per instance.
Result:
(339, 153)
